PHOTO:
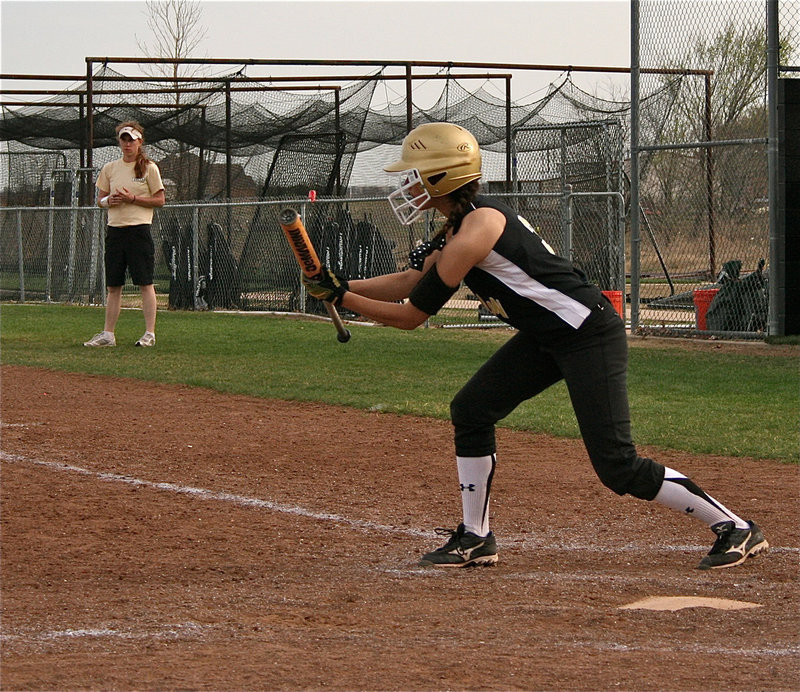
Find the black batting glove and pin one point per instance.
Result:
(416, 258)
(326, 286)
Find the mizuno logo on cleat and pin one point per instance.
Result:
(466, 553)
(738, 548)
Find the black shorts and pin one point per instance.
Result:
(130, 248)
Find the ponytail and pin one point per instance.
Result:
(141, 163)
(462, 205)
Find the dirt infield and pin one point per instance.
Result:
(163, 537)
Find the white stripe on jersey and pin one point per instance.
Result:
(568, 309)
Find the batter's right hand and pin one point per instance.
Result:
(326, 286)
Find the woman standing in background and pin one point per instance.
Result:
(129, 188)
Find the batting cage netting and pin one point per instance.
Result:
(220, 250)
(221, 140)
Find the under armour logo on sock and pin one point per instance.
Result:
(689, 510)
(470, 487)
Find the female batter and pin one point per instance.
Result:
(566, 329)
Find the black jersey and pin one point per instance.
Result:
(524, 283)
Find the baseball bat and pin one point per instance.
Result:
(307, 258)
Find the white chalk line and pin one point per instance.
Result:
(165, 631)
(360, 524)
(25, 639)
(688, 648)
(217, 495)
(192, 629)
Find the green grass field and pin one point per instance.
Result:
(706, 402)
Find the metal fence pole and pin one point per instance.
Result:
(566, 242)
(102, 232)
(73, 240)
(635, 228)
(48, 294)
(195, 253)
(776, 324)
(303, 296)
(514, 172)
(94, 256)
(566, 190)
(20, 260)
(621, 249)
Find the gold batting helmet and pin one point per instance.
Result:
(442, 157)
(446, 155)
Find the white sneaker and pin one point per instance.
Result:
(147, 339)
(101, 339)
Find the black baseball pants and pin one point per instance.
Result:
(593, 363)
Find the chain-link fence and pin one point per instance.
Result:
(703, 167)
(223, 256)
(235, 256)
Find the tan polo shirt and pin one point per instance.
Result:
(118, 174)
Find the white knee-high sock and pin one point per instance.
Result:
(475, 476)
(680, 493)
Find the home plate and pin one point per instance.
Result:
(679, 602)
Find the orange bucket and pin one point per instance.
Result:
(616, 300)
(702, 301)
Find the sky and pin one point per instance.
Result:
(54, 37)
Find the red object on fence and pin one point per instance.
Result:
(616, 300)
(702, 301)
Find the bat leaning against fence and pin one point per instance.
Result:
(296, 234)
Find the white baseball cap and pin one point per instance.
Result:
(132, 131)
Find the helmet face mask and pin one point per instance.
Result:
(409, 199)
(440, 157)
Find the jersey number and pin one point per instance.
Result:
(494, 306)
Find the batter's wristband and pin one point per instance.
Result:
(431, 293)
(416, 258)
